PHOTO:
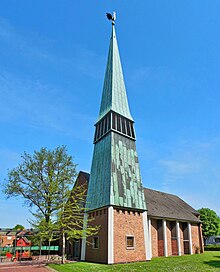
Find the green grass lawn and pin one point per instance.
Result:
(209, 261)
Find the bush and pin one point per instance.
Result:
(3, 253)
(212, 248)
(35, 252)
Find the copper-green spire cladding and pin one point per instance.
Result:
(114, 93)
(115, 175)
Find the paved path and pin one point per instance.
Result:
(23, 268)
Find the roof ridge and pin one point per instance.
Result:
(84, 172)
(161, 192)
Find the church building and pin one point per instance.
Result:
(136, 223)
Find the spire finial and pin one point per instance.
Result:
(111, 17)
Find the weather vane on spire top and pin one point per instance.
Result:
(111, 17)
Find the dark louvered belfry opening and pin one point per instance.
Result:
(115, 122)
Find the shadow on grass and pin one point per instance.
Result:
(215, 264)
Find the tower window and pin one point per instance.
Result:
(109, 122)
(95, 138)
(113, 121)
(128, 128)
(118, 123)
(101, 128)
(104, 126)
(130, 242)
(98, 131)
(132, 130)
(95, 242)
(123, 126)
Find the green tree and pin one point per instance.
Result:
(43, 180)
(210, 223)
(19, 227)
(73, 221)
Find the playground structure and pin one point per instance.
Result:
(19, 256)
(20, 247)
(14, 254)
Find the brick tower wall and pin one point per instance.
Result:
(99, 255)
(128, 223)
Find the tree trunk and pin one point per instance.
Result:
(63, 248)
(40, 247)
(49, 251)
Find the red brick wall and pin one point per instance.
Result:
(128, 223)
(160, 248)
(99, 255)
(131, 223)
(169, 245)
(196, 238)
(154, 240)
(174, 247)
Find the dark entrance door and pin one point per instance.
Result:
(76, 249)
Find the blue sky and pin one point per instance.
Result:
(52, 62)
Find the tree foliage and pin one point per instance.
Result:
(43, 180)
(210, 222)
(72, 220)
(19, 227)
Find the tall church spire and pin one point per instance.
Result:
(114, 93)
(115, 178)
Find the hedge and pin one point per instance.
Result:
(212, 248)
